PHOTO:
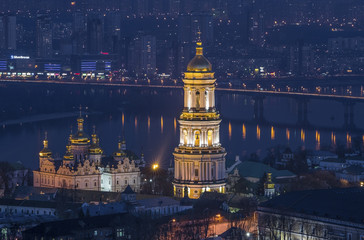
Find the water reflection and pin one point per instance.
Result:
(229, 130)
(318, 140)
(244, 132)
(148, 124)
(303, 136)
(333, 139)
(141, 129)
(348, 141)
(162, 124)
(272, 133)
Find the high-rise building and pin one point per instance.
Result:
(142, 55)
(199, 160)
(95, 34)
(112, 32)
(44, 37)
(79, 33)
(8, 32)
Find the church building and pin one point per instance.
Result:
(84, 166)
(199, 160)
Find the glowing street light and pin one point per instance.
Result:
(155, 166)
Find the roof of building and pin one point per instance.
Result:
(71, 226)
(257, 170)
(341, 204)
(333, 160)
(32, 203)
(158, 202)
(128, 190)
(356, 158)
(354, 170)
(104, 209)
(322, 154)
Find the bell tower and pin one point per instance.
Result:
(199, 159)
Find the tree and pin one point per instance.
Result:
(260, 188)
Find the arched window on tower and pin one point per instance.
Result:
(197, 100)
(209, 138)
(197, 138)
(185, 137)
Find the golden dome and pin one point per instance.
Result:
(120, 152)
(45, 152)
(68, 155)
(199, 63)
(80, 138)
(95, 146)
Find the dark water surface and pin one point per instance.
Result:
(148, 121)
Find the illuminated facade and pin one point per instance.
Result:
(199, 160)
(85, 167)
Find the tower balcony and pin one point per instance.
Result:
(202, 183)
(216, 149)
(200, 115)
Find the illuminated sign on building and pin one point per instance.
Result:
(19, 57)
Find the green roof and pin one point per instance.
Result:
(257, 170)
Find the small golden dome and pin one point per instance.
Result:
(68, 155)
(199, 63)
(95, 146)
(45, 152)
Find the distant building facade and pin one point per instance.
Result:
(85, 167)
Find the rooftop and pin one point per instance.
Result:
(158, 202)
(333, 160)
(257, 170)
(70, 226)
(340, 204)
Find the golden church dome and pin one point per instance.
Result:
(95, 146)
(80, 138)
(199, 63)
(45, 152)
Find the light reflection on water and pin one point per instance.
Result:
(157, 132)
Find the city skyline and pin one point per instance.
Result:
(182, 119)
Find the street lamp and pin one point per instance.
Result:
(155, 167)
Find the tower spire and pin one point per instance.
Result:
(45, 141)
(80, 108)
(94, 136)
(199, 48)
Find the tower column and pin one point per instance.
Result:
(176, 172)
(199, 171)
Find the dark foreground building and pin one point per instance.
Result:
(315, 214)
(117, 226)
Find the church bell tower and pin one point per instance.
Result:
(199, 159)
